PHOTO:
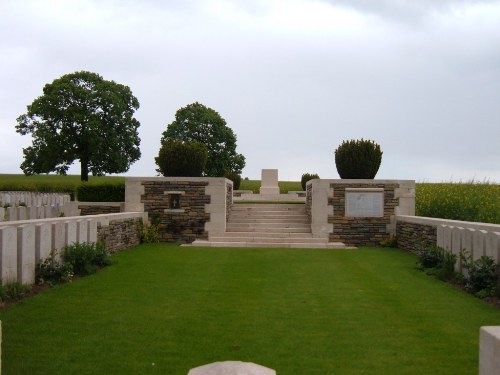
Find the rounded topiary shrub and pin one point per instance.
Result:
(306, 177)
(358, 159)
(181, 159)
(236, 178)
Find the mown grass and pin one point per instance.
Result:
(285, 186)
(162, 309)
(51, 182)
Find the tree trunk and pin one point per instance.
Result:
(84, 175)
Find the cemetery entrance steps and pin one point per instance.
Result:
(268, 225)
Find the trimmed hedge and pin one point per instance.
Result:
(101, 193)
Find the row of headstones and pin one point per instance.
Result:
(14, 213)
(23, 246)
(28, 199)
(476, 242)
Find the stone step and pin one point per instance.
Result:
(268, 207)
(265, 226)
(270, 230)
(269, 234)
(257, 238)
(271, 214)
(295, 245)
(269, 219)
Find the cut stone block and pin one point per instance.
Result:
(58, 239)
(82, 234)
(456, 245)
(232, 368)
(269, 182)
(447, 231)
(26, 254)
(489, 351)
(92, 228)
(70, 232)
(8, 254)
(492, 246)
(43, 241)
(478, 238)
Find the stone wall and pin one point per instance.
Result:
(477, 239)
(185, 208)
(337, 214)
(120, 234)
(179, 209)
(24, 243)
(98, 208)
(361, 231)
(414, 236)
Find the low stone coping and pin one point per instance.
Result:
(270, 198)
(451, 223)
(232, 368)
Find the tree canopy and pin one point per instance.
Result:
(195, 122)
(81, 116)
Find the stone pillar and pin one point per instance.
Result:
(269, 182)
(8, 254)
(26, 254)
(320, 209)
(489, 350)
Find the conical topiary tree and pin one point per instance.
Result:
(358, 159)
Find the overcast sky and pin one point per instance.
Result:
(292, 78)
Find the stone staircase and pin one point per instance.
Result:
(268, 225)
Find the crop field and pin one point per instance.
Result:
(479, 202)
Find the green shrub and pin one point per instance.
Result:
(307, 177)
(86, 258)
(51, 272)
(481, 276)
(390, 241)
(358, 159)
(101, 193)
(236, 178)
(13, 291)
(438, 262)
(177, 158)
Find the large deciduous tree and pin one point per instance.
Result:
(195, 122)
(81, 116)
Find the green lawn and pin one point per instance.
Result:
(163, 309)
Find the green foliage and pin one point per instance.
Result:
(81, 116)
(473, 201)
(481, 276)
(236, 178)
(86, 258)
(307, 177)
(150, 232)
(437, 261)
(52, 272)
(101, 193)
(358, 159)
(186, 159)
(195, 122)
(390, 241)
(13, 291)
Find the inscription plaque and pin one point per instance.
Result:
(364, 203)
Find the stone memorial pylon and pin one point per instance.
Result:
(269, 182)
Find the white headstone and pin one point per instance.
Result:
(8, 254)
(58, 238)
(492, 246)
(26, 254)
(478, 238)
(456, 245)
(43, 241)
(70, 228)
(82, 234)
(232, 368)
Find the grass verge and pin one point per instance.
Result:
(162, 309)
